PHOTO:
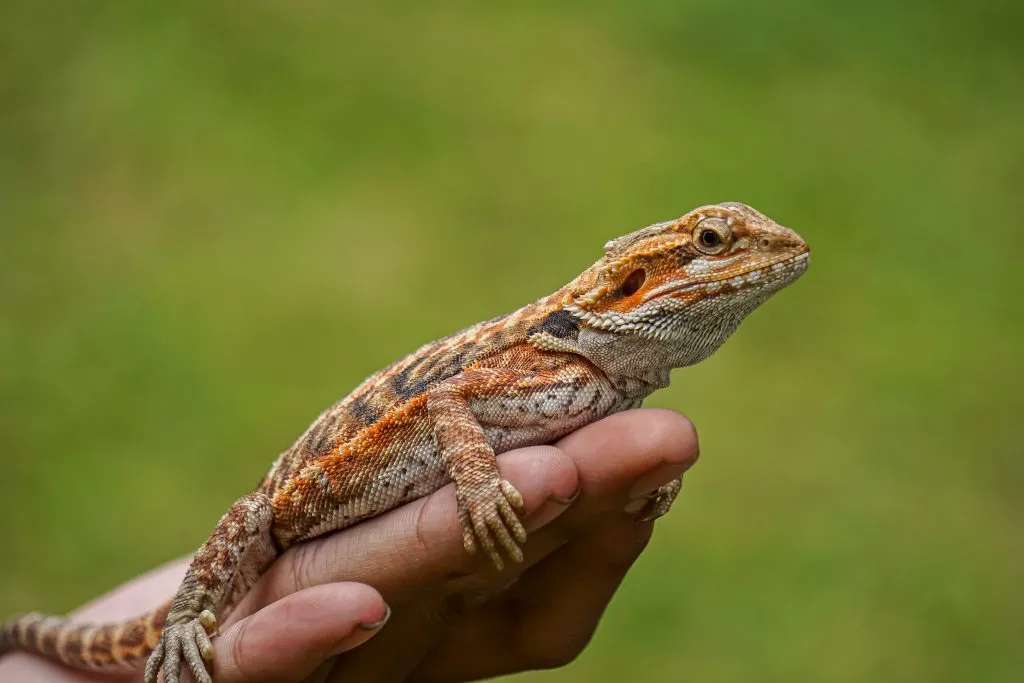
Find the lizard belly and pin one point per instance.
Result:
(547, 414)
(406, 469)
(370, 477)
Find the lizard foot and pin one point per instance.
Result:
(490, 518)
(660, 500)
(189, 641)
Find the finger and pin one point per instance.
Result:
(418, 546)
(662, 437)
(631, 454)
(546, 618)
(287, 640)
(392, 657)
(646, 448)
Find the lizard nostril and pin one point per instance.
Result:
(764, 242)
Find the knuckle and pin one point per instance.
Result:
(303, 569)
(239, 660)
(672, 435)
(419, 527)
(553, 653)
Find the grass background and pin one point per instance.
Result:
(216, 218)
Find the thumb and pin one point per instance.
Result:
(288, 639)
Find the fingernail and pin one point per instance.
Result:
(549, 511)
(567, 501)
(659, 476)
(378, 624)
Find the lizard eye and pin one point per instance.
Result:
(711, 239)
(634, 282)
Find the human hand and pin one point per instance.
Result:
(455, 618)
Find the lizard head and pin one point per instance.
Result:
(673, 292)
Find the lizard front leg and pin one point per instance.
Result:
(489, 506)
(237, 552)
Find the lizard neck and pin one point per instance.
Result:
(636, 366)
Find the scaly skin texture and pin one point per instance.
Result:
(660, 298)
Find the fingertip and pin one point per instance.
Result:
(679, 436)
(656, 433)
(374, 615)
(664, 434)
(379, 623)
(537, 474)
(627, 445)
(363, 601)
(288, 639)
(549, 481)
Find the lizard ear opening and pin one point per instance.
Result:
(634, 282)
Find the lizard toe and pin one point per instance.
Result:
(491, 550)
(153, 664)
(659, 501)
(483, 539)
(491, 522)
(203, 642)
(189, 641)
(172, 659)
(468, 533)
(497, 526)
(513, 496)
(194, 659)
(512, 522)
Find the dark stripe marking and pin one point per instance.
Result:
(560, 324)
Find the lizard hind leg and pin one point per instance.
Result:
(223, 569)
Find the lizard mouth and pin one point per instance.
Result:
(780, 271)
(772, 276)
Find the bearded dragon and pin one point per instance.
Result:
(663, 297)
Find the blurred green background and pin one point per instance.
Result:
(216, 218)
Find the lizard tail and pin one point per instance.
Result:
(122, 645)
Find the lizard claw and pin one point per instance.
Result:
(490, 521)
(660, 500)
(188, 640)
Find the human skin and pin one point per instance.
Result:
(453, 617)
